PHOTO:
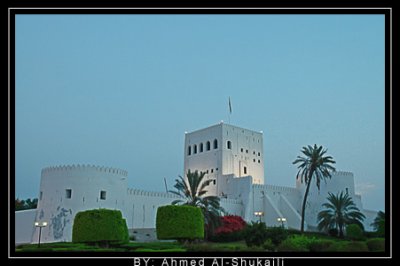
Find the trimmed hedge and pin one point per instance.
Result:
(99, 225)
(348, 246)
(321, 245)
(179, 222)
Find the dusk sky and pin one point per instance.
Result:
(121, 90)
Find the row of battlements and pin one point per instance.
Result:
(83, 167)
(139, 192)
(344, 173)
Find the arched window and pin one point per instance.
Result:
(201, 147)
(189, 150)
(215, 144)
(208, 146)
(229, 145)
(194, 149)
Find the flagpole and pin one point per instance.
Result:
(230, 110)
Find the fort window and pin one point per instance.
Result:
(194, 149)
(214, 182)
(208, 146)
(212, 170)
(247, 151)
(229, 145)
(259, 154)
(254, 152)
(259, 161)
(254, 160)
(215, 144)
(189, 150)
(241, 149)
(68, 193)
(347, 190)
(245, 170)
(201, 147)
(102, 195)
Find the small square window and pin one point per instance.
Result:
(254, 160)
(259, 161)
(212, 170)
(247, 151)
(216, 169)
(259, 154)
(241, 150)
(102, 195)
(214, 181)
(68, 193)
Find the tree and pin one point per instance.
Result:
(25, 204)
(193, 190)
(379, 223)
(313, 165)
(340, 211)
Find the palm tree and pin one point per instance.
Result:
(192, 191)
(340, 211)
(313, 165)
(379, 223)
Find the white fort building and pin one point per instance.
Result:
(232, 157)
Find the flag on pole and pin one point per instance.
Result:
(230, 106)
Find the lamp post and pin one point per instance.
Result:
(40, 225)
(259, 214)
(282, 220)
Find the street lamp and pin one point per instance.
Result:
(40, 225)
(259, 214)
(282, 220)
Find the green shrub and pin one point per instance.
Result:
(348, 246)
(320, 245)
(179, 222)
(354, 232)
(100, 226)
(277, 234)
(376, 244)
(255, 234)
(296, 243)
(268, 245)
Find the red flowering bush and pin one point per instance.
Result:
(231, 229)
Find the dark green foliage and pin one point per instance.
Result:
(179, 222)
(255, 234)
(354, 232)
(376, 244)
(379, 224)
(340, 210)
(314, 165)
(320, 245)
(100, 226)
(277, 234)
(228, 237)
(348, 246)
(333, 232)
(268, 245)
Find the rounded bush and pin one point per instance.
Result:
(255, 234)
(348, 246)
(354, 232)
(179, 222)
(291, 244)
(277, 234)
(99, 225)
(376, 244)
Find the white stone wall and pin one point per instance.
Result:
(24, 226)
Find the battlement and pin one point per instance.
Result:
(344, 173)
(83, 167)
(276, 188)
(139, 192)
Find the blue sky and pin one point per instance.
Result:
(121, 90)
